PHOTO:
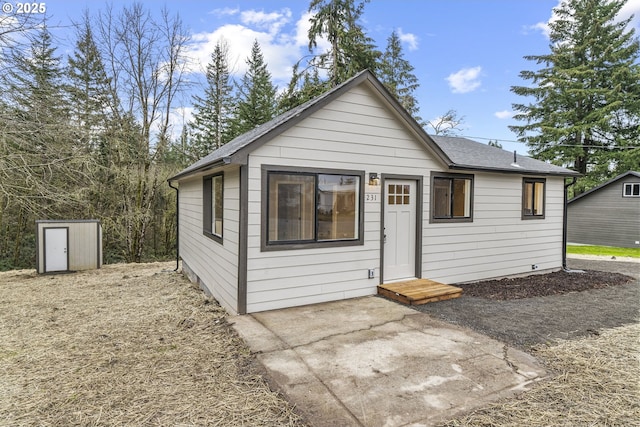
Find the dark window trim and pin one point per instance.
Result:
(207, 213)
(525, 181)
(432, 218)
(265, 245)
(630, 184)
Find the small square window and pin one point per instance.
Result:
(631, 189)
(451, 198)
(533, 197)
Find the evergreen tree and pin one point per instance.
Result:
(302, 87)
(39, 168)
(210, 128)
(88, 89)
(257, 103)
(396, 73)
(35, 84)
(351, 50)
(584, 108)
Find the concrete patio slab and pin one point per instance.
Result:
(373, 362)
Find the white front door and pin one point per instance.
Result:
(399, 229)
(55, 249)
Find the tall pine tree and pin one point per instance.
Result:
(396, 73)
(257, 102)
(39, 167)
(584, 101)
(210, 128)
(351, 49)
(88, 89)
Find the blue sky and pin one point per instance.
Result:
(467, 54)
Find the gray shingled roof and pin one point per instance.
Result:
(468, 154)
(455, 152)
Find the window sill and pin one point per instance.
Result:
(213, 236)
(310, 245)
(448, 220)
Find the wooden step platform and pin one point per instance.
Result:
(418, 291)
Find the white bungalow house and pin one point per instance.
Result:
(346, 192)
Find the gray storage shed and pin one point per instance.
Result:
(607, 215)
(68, 245)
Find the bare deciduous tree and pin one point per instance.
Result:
(448, 124)
(145, 58)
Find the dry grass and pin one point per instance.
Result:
(124, 345)
(596, 383)
(138, 345)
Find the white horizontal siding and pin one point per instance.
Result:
(215, 264)
(498, 242)
(355, 132)
(358, 132)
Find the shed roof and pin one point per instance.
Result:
(605, 184)
(454, 152)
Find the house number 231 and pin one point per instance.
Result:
(370, 197)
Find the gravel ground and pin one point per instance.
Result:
(530, 321)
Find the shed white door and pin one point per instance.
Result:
(399, 229)
(55, 249)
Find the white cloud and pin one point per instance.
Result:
(504, 114)
(227, 11)
(543, 27)
(282, 42)
(631, 7)
(272, 22)
(302, 30)
(465, 80)
(410, 39)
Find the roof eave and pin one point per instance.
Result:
(456, 166)
(207, 166)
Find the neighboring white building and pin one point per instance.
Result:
(346, 192)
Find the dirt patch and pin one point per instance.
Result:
(538, 285)
(583, 327)
(594, 383)
(607, 299)
(129, 344)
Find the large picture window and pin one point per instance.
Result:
(313, 208)
(451, 198)
(533, 198)
(213, 209)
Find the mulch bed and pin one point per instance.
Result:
(537, 285)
